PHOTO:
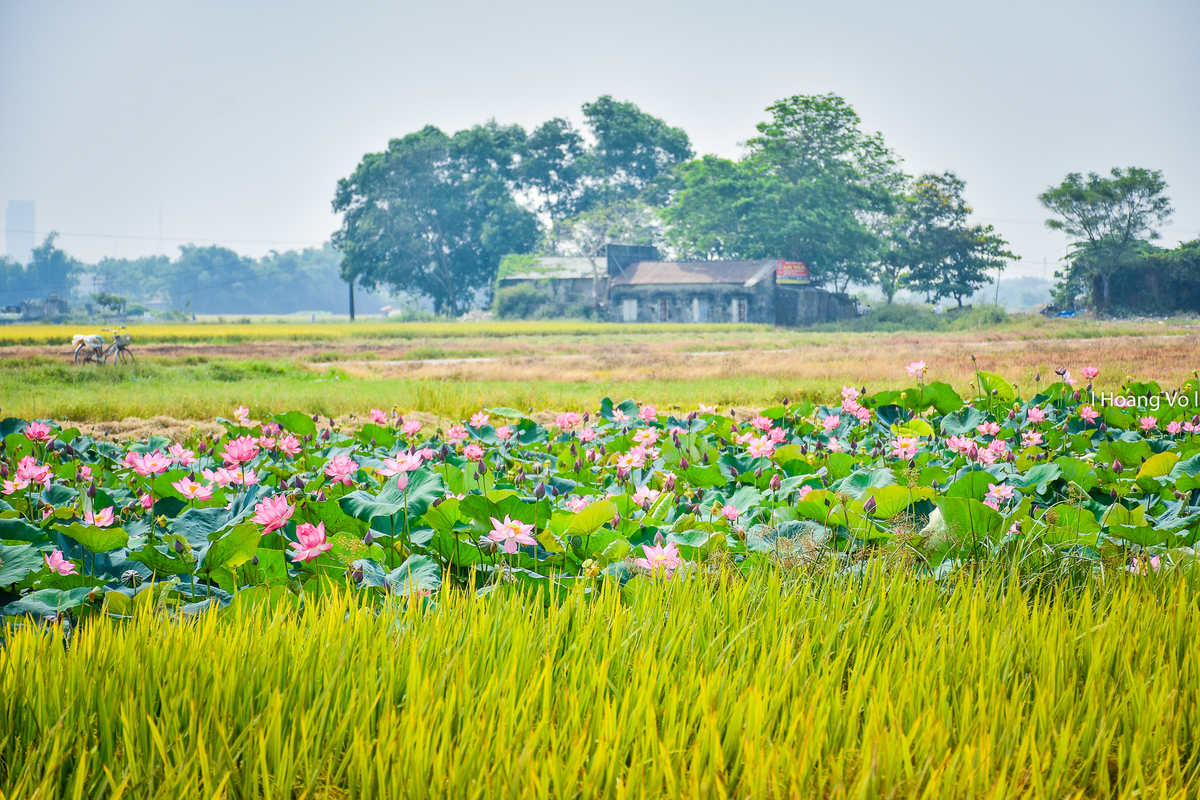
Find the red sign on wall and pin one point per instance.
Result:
(792, 272)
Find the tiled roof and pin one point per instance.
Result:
(746, 273)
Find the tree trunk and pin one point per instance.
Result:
(1104, 278)
(350, 283)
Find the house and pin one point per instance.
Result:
(570, 280)
(765, 291)
(53, 307)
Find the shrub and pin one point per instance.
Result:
(978, 317)
(520, 301)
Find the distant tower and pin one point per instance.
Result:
(18, 222)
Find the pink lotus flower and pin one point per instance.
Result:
(703, 409)
(645, 494)
(241, 416)
(152, 464)
(407, 462)
(916, 370)
(240, 450)
(862, 414)
(426, 453)
(101, 519)
(760, 448)
(289, 445)
(1067, 379)
(646, 436)
(988, 428)
(504, 433)
(831, 422)
(473, 452)
(1088, 414)
(665, 559)
(38, 432)
(192, 490)
(456, 434)
(577, 504)
(959, 444)
(803, 491)
(619, 416)
(1138, 568)
(512, 533)
(587, 435)
(1148, 423)
(1000, 492)
(85, 473)
(341, 469)
(648, 413)
(181, 456)
(411, 427)
(1188, 427)
(634, 459)
(999, 447)
(1175, 427)
(57, 562)
(1091, 373)
(146, 501)
(273, 513)
(271, 429)
(1030, 438)
(834, 445)
(730, 512)
(762, 423)
(744, 438)
(479, 419)
(776, 435)
(378, 416)
(312, 542)
(28, 469)
(12, 486)
(905, 448)
(850, 393)
(1035, 415)
(568, 420)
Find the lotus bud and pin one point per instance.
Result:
(912, 463)
(369, 539)
(692, 415)
(372, 442)
(201, 447)
(519, 478)
(722, 440)
(445, 452)
(659, 539)
(254, 561)
(785, 401)
(602, 451)
(853, 448)
(1060, 371)
(481, 469)
(870, 506)
(704, 458)
(973, 453)
(669, 483)
(1117, 466)
(574, 450)
(579, 465)
(298, 483)
(132, 578)
(178, 547)
(325, 435)
(539, 491)
(316, 417)
(91, 491)
(1076, 396)
(355, 574)
(616, 520)
(758, 473)
(775, 483)
(321, 498)
(646, 506)
(1012, 414)
(1011, 457)
(683, 463)
(1104, 427)
(586, 416)
(1113, 494)
(803, 449)
(675, 438)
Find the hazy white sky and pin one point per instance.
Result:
(236, 119)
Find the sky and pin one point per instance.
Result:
(231, 122)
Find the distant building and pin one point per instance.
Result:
(570, 280)
(764, 291)
(53, 307)
(19, 236)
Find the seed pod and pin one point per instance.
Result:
(132, 578)
(577, 543)
(487, 546)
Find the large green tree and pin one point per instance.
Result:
(433, 214)
(933, 247)
(632, 150)
(1109, 219)
(807, 190)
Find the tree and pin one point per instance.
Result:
(632, 149)
(806, 190)
(552, 169)
(1108, 218)
(50, 270)
(433, 214)
(933, 247)
(621, 222)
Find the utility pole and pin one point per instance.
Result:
(350, 283)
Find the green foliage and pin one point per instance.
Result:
(520, 301)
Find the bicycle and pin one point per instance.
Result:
(89, 348)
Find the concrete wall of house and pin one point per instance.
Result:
(681, 302)
(797, 307)
(565, 291)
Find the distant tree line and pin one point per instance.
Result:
(200, 280)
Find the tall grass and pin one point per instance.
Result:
(768, 687)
